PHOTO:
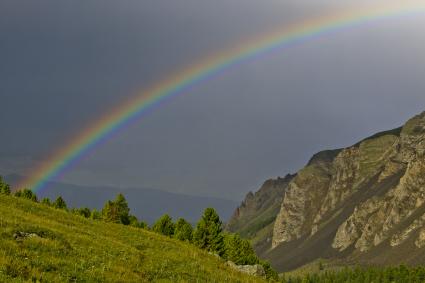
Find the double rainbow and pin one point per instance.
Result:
(149, 99)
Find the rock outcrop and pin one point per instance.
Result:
(254, 218)
(253, 270)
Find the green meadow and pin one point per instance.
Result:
(39, 243)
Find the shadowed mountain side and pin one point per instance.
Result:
(147, 204)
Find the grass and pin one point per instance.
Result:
(43, 244)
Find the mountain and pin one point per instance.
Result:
(364, 204)
(146, 204)
(255, 217)
(42, 244)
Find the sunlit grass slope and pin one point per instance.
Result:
(39, 243)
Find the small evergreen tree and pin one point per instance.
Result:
(183, 230)
(208, 234)
(60, 203)
(164, 225)
(26, 193)
(123, 209)
(4, 188)
(110, 213)
(117, 211)
(239, 250)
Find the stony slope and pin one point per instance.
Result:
(361, 204)
(43, 244)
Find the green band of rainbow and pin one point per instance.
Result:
(176, 84)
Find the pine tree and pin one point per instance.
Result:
(110, 212)
(59, 203)
(164, 225)
(208, 234)
(4, 187)
(183, 230)
(117, 211)
(123, 209)
(239, 250)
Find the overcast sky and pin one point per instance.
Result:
(65, 63)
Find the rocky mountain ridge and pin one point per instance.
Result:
(362, 204)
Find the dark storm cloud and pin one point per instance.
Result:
(64, 63)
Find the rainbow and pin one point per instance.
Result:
(149, 99)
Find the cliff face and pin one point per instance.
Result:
(254, 218)
(361, 204)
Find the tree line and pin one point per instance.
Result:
(208, 233)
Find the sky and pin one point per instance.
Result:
(64, 64)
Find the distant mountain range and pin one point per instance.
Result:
(147, 204)
(364, 204)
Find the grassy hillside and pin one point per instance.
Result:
(39, 243)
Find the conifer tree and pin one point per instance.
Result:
(164, 225)
(110, 212)
(60, 203)
(183, 230)
(123, 209)
(117, 211)
(4, 189)
(208, 234)
(239, 250)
